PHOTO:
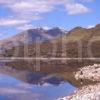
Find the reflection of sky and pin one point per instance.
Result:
(13, 89)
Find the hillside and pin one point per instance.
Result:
(30, 36)
(77, 43)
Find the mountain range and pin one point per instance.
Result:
(76, 43)
(32, 35)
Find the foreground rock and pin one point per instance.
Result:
(89, 72)
(88, 92)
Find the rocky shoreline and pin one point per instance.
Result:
(87, 92)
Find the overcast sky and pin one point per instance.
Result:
(19, 15)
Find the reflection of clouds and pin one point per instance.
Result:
(28, 86)
(46, 84)
(24, 91)
(11, 91)
(24, 86)
(30, 96)
(7, 81)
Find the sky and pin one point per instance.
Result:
(19, 15)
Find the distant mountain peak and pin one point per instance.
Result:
(56, 31)
(33, 35)
(78, 28)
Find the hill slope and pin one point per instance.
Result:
(77, 43)
(32, 35)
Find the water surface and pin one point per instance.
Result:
(41, 88)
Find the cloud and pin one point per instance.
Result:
(12, 22)
(25, 27)
(1, 34)
(30, 8)
(36, 6)
(76, 8)
(23, 12)
(46, 27)
(87, 0)
(90, 26)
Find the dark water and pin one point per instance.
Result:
(42, 87)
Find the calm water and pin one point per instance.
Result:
(41, 88)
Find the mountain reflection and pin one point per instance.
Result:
(42, 86)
